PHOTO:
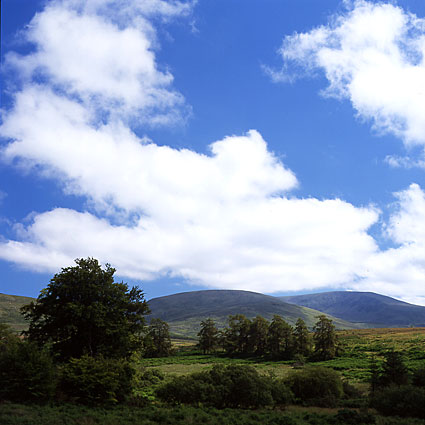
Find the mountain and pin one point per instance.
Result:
(9, 311)
(366, 307)
(185, 311)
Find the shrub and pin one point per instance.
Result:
(419, 377)
(96, 380)
(27, 373)
(353, 417)
(316, 385)
(226, 386)
(405, 400)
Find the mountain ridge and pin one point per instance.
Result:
(366, 307)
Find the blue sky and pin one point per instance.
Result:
(276, 147)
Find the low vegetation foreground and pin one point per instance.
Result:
(89, 357)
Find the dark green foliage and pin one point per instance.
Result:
(280, 339)
(226, 386)
(83, 311)
(302, 339)
(375, 378)
(418, 378)
(157, 342)
(13, 414)
(325, 339)
(96, 380)
(235, 338)
(27, 372)
(316, 385)
(208, 336)
(257, 340)
(353, 417)
(405, 400)
(394, 370)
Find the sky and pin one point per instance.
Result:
(273, 146)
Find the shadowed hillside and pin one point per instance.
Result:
(9, 311)
(366, 307)
(186, 310)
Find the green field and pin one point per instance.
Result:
(359, 347)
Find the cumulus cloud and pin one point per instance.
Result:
(373, 55)
(107, 67)
(225, 219)
(400, 271)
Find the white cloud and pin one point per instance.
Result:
(109, 68)
(266, 244)
(111, 164)
(373, 55)
(400, 271)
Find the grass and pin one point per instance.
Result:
(19, 414)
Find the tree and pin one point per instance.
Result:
(280, 338)
(394, 371)
(375, 377)
(235, 336)
(157, 341)
(83, 311)
(325, 339)
(208, 336)
(302, 339)
(27, 372)
(258, 335)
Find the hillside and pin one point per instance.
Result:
(9, 311)
(186, 310)
(366, 307)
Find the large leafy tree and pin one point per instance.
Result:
(83, 311)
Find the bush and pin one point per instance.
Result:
(226, 386)
(27, 373)
(96, 380)
(353, 417)
(419, 377)
(316, 385)
(405, 400)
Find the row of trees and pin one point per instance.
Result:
(277, 338)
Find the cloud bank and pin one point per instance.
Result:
(226, 219)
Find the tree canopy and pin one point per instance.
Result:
(83, 311)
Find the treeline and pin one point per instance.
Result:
(277, 338)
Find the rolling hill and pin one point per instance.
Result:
(9, 311)
(366, 307)
(185, 311)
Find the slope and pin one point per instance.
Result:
(185, 311)
(366, 307)
(9, 311)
